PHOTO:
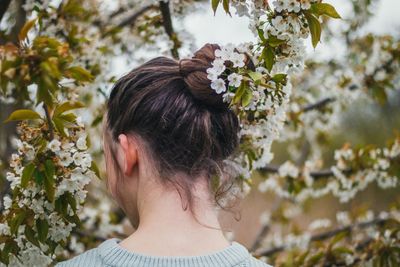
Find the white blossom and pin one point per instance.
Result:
(288, 169)
(237, 59)
(54, 145)
(218, 85)
(235, 79)
(81, 143)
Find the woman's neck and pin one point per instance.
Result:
(165, 229)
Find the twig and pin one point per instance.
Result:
(328, 234)
(49, 122)
(167, 22)
(319, 104)
(132, 18)
(129, 21)
(260, 236)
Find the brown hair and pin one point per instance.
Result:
(187, 127)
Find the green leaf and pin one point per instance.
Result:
(255, 76)
(71, 201)
(261, 34)
(314, 259)
(251, 155)
(25, 29)
(79, 74)
(338, 238)
(247, 96)
(239, 93)
(49, 83)
(315, 28)
(66, 106)
(275, 41)
(30, 235)
(27, 174)
(324, 9)
(42, 227)
(61, 205)
(41, 145)
(97, 120)
(214, 5)
(16, 221)
(379, 93)
(10, 247)
(23, 114)
(68, 118)
(59, 124)
(50, 190)
(49, 179)
(74, 219)
(43, 95)
(39, 178)
(49, 169)
(225, 4)
(95, 168)
(51, 68)
(279, 78)
(269, 57)
(342, 250)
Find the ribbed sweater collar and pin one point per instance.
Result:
(113, 254)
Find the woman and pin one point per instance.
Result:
(166, 134)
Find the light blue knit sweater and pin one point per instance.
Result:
(110, 253)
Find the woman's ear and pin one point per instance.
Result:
(129, 154)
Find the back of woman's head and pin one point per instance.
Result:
(169, 104)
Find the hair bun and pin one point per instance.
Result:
(194, 73)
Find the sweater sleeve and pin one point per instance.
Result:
(89, 258)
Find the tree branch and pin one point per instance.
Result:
(328, 234)
(314, 174)
(260, 236)
(318, 104)
(132, 18)
(128, 21)
(167, 22)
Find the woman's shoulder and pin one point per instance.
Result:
(108, 252)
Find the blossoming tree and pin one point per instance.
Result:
(56, 58)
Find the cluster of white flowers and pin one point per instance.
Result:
(343, 218)
(329, 84)
(292, 5)
(286, 25)
(226, 53)
(373, 62)
(71, 174)
(288, 169)
(297, 241)
(265, 130)
(279, 238)
(319, 224)
(343, 186)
